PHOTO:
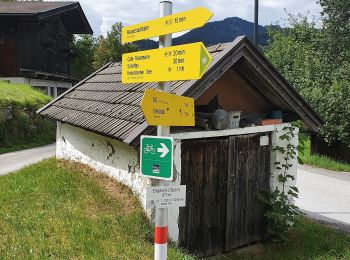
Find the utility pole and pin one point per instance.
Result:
(256, 22)
(161, 221)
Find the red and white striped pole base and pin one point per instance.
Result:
(161, 234)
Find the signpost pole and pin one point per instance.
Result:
(161, 221)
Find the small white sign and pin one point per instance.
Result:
(264, 140)
(166, 196)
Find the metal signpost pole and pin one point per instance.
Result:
(161, 221)
(256, 22)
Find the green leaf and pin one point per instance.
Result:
(290, 176)
(294, 188)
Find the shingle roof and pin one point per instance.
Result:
(30, 7)
(102, 104)
(74, 18)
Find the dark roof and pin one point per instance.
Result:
(72, 12)
(102, 104)
(30, 7)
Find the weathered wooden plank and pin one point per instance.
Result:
(202, 224)
(248, 174)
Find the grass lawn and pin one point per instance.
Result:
(321, 161)
(309, 240)
(62, 210)
(65, 210)
(21, 94)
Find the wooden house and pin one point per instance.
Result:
(100, 123)
(34, 42)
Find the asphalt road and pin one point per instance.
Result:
(13, 161)
(325, 195)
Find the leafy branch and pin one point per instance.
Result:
(281, 212)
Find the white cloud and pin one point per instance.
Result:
(103, 13)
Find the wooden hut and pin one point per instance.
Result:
(100, 123)
(34, 42)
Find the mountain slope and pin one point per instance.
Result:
(215, 32)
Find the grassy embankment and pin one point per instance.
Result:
(64, 210)
(321, 161)
(20, 126)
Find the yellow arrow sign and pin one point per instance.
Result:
(181, 62)
(162, 108)
(169, 24)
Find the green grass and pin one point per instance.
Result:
(321, 161)
(309, 240)
(35, 142)
(60, 210)
(21, 94)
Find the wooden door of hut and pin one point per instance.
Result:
(224, 177)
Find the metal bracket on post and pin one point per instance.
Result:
(161, 221)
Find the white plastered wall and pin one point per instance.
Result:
(120, 161)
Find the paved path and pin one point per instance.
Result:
(13, 161)
(325, 195)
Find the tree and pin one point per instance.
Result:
(316, 64)
(336, 20)
(82, 48)
(110, 48)
(295, 52)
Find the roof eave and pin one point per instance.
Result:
(66, 8)
(307, 113)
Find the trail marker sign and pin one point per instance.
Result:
(181, 62)
(156, 156)
(183, 21)
(162, 108)
(166, 196)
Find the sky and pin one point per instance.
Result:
(103, 13)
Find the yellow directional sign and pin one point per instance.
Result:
(169, 24)
(162, 108)
(181, 62)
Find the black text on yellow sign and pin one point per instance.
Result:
(162, 108)
(181, 62)
(183, 21)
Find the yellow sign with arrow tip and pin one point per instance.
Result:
(162, 108)
(183, 21)
(181, 62)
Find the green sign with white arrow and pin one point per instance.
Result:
(156, 156)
